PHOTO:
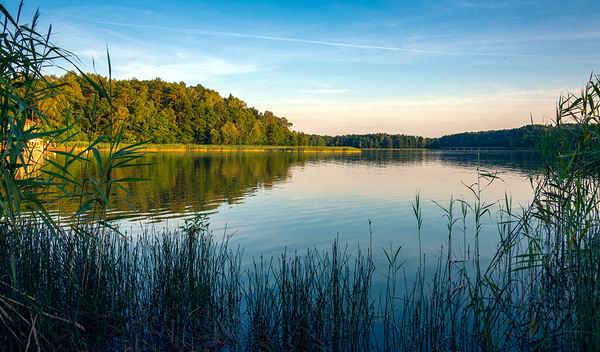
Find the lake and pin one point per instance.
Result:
(275, 201)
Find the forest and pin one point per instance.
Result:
(155, 111)
(526, 137)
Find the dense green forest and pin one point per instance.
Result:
(160, 112)
(526, 137)
(156, 111)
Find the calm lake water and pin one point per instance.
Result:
(275, 201)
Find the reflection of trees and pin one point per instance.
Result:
(519, 161)
(182, 183)
(198, 181)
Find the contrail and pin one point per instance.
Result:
(311, 41)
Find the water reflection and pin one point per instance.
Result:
(178, 183)
(185, 183)
(518, 161)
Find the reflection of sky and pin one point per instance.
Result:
(335, 196)
(321, 201)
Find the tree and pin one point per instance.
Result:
(215, 137)
(229, 134)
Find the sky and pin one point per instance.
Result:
(419, 67)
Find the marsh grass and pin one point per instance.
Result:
(168, 291)
(317, 301)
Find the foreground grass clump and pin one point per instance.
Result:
(76, 291)
(175, 291)
(319, 301)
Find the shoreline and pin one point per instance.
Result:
(78, 146)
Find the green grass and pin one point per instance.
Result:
(218, 148)
(175, 291)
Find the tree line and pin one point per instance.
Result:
(380, 140)
(155, 111)
(526, 137)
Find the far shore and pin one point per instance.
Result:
(78, 146)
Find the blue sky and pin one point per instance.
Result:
(416, 67)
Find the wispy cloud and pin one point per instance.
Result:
(317, 42)
(133, 56)
(195, 69)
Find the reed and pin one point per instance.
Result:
(167, 291)
(318, 301)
